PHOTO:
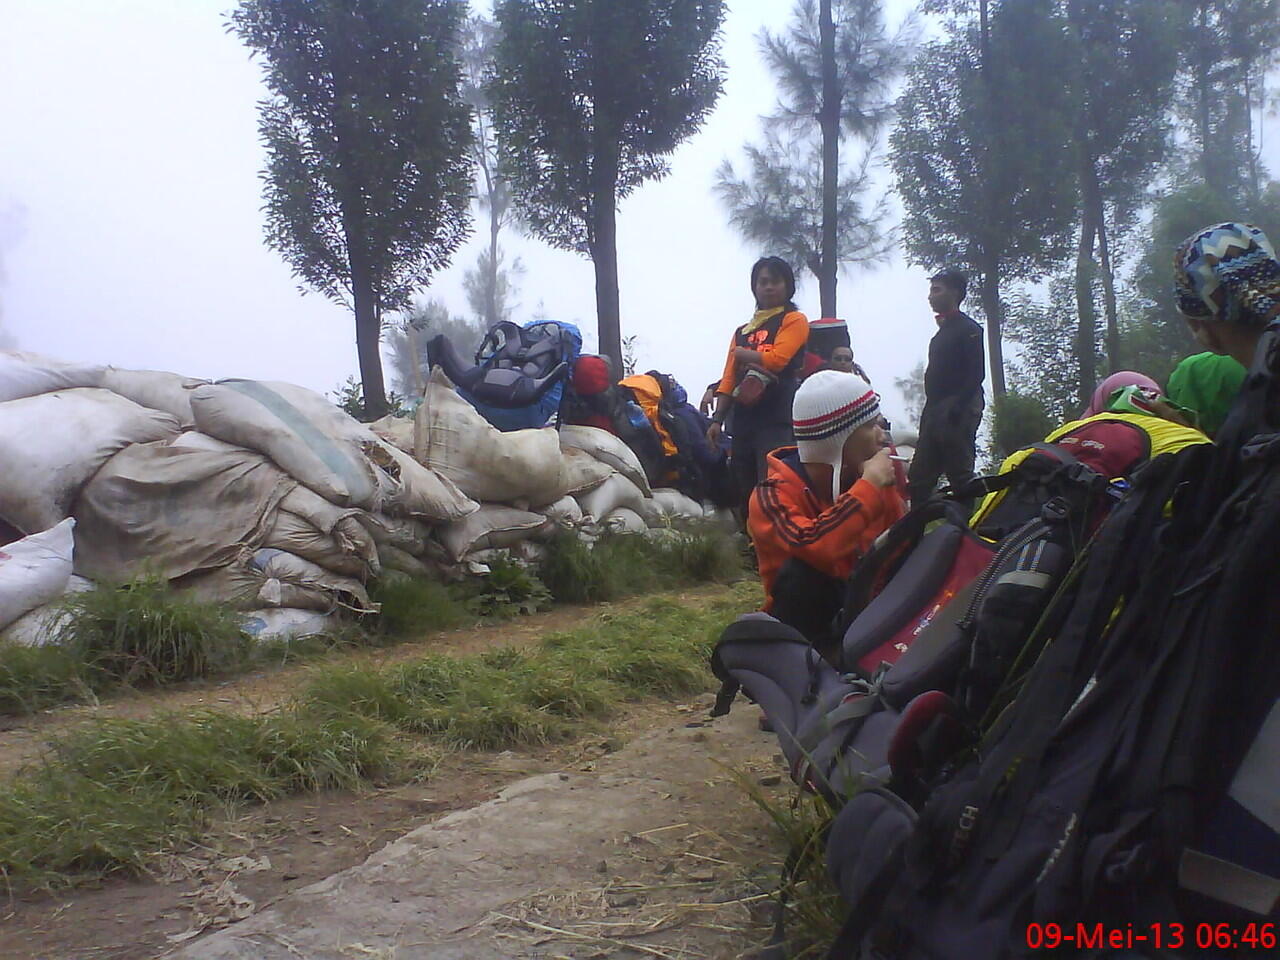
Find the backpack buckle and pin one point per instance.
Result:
(1055, 510)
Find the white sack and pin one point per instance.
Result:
(274, 578)
(29, 375)
(35, 570)
(617, 491)
(676, 505)
(297, 535)
(195, 440)
(155, 390)
(303, 433)
(409, 535)
(397, 431)
(51, 444)
(452, 438)
(283, 623)
(493, 525)
(607, 448)
(625, 520)
(580, 471)
(652, 514)
(564, 512)
(420, 491)
(174, 511)
(393, 558)
(45, 623)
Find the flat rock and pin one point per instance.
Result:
(428, 894)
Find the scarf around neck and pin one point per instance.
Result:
(761, 317)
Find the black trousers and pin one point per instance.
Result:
(947, 445)
(751, 445)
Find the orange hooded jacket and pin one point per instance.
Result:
(789, 518)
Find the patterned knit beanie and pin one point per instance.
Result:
(828, 407)
(1228, 272)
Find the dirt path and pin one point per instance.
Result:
(23, 738)
(267, 856)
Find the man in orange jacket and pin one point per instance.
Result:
(823, 502)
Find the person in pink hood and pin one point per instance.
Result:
(1121, 378)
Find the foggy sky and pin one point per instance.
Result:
(131, 231)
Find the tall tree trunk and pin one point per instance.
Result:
(989, 293)
(1086, 316)
(1087, 321)
(829, 120)
(491, 281)
(368, 338)
(1201, 81)
(1108, 293)
(604, 248)
(990, 261)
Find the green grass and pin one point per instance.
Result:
(411, 607)
(623, 565)
(109, 797)
(145, 634)
(509, 697)
(142, 634)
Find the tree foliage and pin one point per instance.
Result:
(589, 98)
(982, 160)
(1229, 45)
(406, 341)
(777, 204)
(490, 283)
(798, 198)
(367, 184)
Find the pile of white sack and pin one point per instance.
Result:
(268, 498)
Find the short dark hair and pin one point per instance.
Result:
(778, 266)
(954, 279)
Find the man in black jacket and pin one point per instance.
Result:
(952, 390)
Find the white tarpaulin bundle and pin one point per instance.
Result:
(51, 444)
(175, 510)
(28, 375)
(35, 570)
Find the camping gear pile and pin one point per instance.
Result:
(266, 497)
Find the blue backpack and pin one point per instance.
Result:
(519, 373)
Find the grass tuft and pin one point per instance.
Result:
(815, 912)
(621, 565)
(144, 633)
(412, 607)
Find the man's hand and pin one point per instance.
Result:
(746, 355)
(879, 469)
(708, 401)
(713, 436)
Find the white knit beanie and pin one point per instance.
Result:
(828, 407)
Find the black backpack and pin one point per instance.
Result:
(1095, 801)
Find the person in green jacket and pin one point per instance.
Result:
(1207, 383)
